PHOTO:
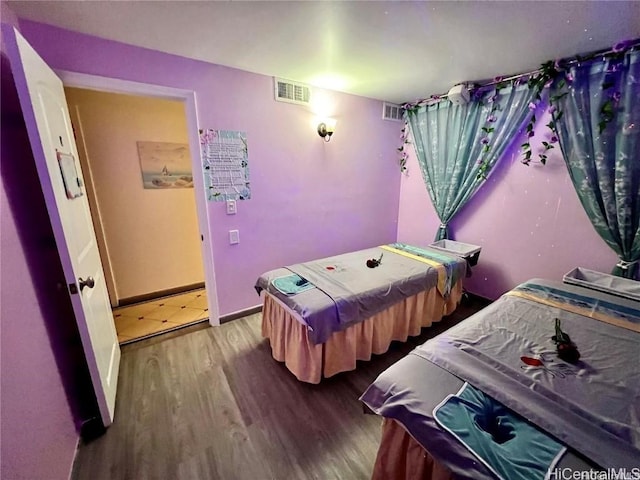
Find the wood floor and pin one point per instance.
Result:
(212, 403)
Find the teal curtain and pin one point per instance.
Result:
(599, 133)
(451, 144)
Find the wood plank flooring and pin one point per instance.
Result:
(211, 403)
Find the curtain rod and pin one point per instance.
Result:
(569, 61)
(566, 62)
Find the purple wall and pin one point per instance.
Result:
(309, 199)
(528, 221)
(39, 349)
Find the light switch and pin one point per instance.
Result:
(231, 207)
(234, 237)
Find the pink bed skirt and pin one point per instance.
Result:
(400, 457)
(309, 363)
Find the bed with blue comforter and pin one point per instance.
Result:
(490, 398)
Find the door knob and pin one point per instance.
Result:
(89, 282)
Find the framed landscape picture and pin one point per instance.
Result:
(165, 165)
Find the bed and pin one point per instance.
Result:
(322, 316)
(590, 410)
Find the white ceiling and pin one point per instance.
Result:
(389, 50)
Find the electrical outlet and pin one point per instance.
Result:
(231, 207)
(234, 237)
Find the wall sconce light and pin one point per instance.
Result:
(326, 127)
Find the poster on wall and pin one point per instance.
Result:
(165, 165)
(225, 165)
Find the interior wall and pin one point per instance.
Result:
(309, 199)
(528, 220)
(151, 235)
(40, 354)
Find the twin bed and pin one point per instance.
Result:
(323, 316)
(489, 398)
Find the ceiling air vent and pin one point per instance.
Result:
(391, 111)
(292, 92)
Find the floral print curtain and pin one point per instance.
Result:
(599, 134)
(458, 145)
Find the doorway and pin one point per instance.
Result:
(139, 181)
(191, 286)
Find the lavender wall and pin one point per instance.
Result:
(309, 198)
(528, 221)
(40, 353)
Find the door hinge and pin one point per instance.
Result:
(73, 288)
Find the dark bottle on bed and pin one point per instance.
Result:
(567, 350)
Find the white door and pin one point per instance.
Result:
(54, 150)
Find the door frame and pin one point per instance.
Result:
(188, 97)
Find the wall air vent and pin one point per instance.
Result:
(292, 92)
(391, 111)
